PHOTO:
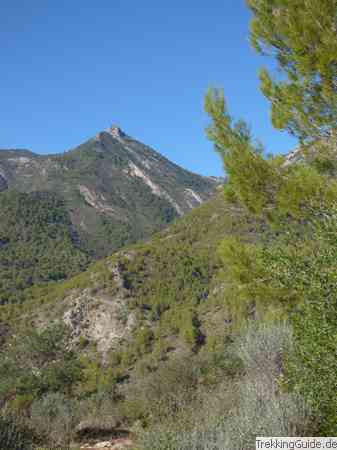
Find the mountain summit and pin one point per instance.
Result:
(115, 189)
(116, 132)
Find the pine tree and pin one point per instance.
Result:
(301, 35)
(251, 179)
(295, 271)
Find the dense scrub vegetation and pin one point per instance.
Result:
(172, 285)
(15, 434)
(241, 404)
(221, 399)
(37, 243)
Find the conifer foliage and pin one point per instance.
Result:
(292, 271)
(301, 35)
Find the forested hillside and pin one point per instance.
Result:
(222, 327)
(58, 213)
(37, 242)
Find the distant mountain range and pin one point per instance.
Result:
(88, 202)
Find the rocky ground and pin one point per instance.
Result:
(115, 444)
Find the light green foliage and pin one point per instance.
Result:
(246, 277)
(34, 363)
(313, 370)
(190, 328)
(95, 378)
(305, 193)
(294, 275)
(291, 271)
(301, 280)
(301, 35)
(251, 178)
(264, 186)
(313, 366)
(143, 340)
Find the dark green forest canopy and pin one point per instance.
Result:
(37, 242)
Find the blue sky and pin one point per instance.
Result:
(72, 68)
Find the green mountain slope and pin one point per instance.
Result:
(37, 242)
(58, 213)
(163, 284)
(116, 189)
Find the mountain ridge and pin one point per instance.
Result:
(115, 131)
(111, 191)
(110, 183)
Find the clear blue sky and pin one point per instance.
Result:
(71, 68)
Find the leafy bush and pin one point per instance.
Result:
(37, 362)
(14, 434)
(55, 417)
(232, 415)
(263, 407)
(161, 393)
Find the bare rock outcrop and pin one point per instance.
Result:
(100, 317)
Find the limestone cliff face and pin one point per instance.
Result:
(116, 189)
(96, 316)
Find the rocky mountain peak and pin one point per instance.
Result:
(116, 131)
(117, 190)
